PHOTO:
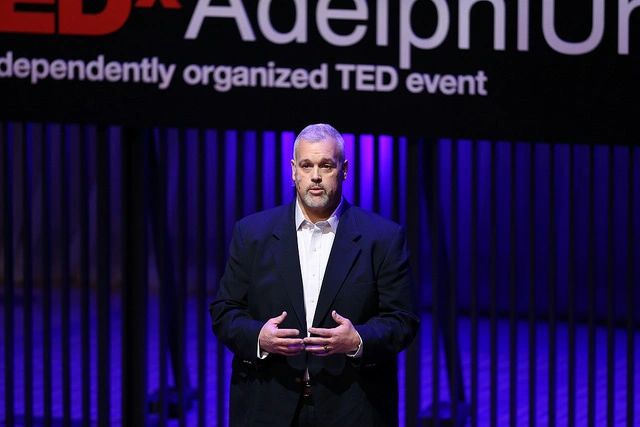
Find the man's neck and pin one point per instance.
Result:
(315, 215)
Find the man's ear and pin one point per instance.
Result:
(293, 170)
(345, 168)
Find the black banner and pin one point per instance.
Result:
(512, 69)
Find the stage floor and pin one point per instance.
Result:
(523, 412)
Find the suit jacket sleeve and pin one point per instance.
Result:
(231, 320)
(396, 323)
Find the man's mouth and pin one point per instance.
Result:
(316, 191)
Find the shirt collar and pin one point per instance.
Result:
(332, 220)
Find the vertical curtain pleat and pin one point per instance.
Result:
(115, 239)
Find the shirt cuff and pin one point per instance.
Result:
(263, 354)
(358, 353)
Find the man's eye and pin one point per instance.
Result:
(327, 166)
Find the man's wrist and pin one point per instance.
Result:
(358, 351)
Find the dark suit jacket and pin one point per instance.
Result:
(367, 280)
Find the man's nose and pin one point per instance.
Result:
(315, 175)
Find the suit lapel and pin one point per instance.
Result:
(285, 253)
(344, 253)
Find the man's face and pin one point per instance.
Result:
(318, 176)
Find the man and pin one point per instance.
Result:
(315, 303)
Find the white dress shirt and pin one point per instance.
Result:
(314, 247)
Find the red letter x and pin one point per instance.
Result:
(167, 4)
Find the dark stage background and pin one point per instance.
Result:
(503, 135)
(115, 239)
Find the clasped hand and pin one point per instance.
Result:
(324, 342)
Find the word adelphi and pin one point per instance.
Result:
(357, 20)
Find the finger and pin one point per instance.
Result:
(319, 351)
(289, 350)
(315, 341)
(288, 342)
(281, 333)
(279, 319)
(339, 319)
(315, 349)
(323, 332)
